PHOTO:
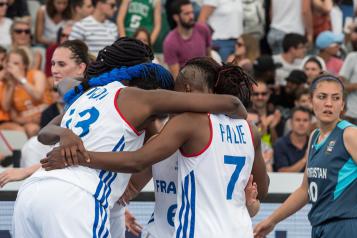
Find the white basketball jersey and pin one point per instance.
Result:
(211, 197)
(96, 118)
(164, 173)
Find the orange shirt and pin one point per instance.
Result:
(22, 101)
(4, 116)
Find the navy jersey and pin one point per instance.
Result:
(332, 174)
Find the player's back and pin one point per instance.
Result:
(96, 118)
(211, 197)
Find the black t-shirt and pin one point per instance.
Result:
(18, 9)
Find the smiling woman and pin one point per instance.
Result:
(332, 153)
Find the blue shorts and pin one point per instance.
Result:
(344, 228)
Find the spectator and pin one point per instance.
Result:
(143, 35)
(349, 74)
(289, 16)
(226, 19)
(285, 95)
(139, 13)
(264, 69)
(49, 19)
(18, 8)
(313, 66)
(21, 37)
(25, 92)
(266, 118)
(290, 150)
(294, 47)
(5, 24)
(96, 30)
(188, 40)
(328, 44)
(321, 16)
(62, 36)
(81, 9)
(246, 51)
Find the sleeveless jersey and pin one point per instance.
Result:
(332, 174)
(164, 173)
(211, 197)
(96, 118)
(140, 14)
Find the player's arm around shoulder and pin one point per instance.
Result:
(349, 138)
(163, 101)
(50, 134)
(175, 133)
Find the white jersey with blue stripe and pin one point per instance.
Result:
(96, 118)
(211, 197)
(164, 173)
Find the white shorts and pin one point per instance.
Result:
(57, 209)
(117, 221)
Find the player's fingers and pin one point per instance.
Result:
(74, 155)
(43, 161)
(63, 155)
(250, 181)
(68, 156)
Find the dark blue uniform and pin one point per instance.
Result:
(332, 174)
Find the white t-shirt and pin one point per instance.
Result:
(226, 19)
(349, 72)
(284, 71)
(5, 39)
(287, 16)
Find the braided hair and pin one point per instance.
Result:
(125, 51)
(227, 79)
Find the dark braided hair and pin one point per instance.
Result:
(227, 79)
(125, 51)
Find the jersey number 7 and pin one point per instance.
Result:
(239, 161)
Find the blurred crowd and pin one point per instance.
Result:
(284, 44)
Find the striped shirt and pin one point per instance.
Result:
(95, 34)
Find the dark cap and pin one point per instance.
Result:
(265, 63)
(297, 77)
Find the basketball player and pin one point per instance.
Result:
(84, 196)
(217, 155)
(329, 182)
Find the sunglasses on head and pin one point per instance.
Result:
(19, 31)
(3, 4)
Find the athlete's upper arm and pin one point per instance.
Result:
(259, 170)
(161, 101)
(349, 138)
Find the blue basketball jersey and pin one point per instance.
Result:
(332, 174)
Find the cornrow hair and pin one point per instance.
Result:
(155, 74)
(226, 79)
(233, 80)
(125, 51)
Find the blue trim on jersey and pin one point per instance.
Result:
(188, 207)
(316, 145)
(181, 212)
(346, 176)
(104, 188)
(193, 204)
(185, 224)
(152, 218)
(344, 124)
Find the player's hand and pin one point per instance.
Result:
(131, 225)
(251, 192)
(70, 144)
(263, 228)
(54, 160)
(13, 174)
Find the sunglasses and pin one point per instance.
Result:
(2, 4)
(19, 31)
(262, 94)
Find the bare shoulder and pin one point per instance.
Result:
(350, 135)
